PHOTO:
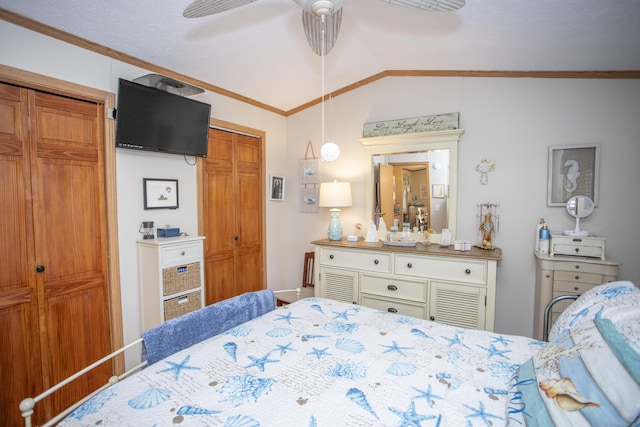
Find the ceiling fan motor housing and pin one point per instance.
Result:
(320, 7)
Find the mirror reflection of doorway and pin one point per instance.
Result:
(402, 194)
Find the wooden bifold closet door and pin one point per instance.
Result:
(232, 215)
(54, 307)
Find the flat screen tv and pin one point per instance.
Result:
(155, 120)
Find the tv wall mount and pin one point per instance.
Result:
(168, 84)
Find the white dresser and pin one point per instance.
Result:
(566, 275)
(171, 272)
(429, 282)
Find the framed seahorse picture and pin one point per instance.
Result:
(573, 170)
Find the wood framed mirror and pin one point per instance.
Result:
(436, 155)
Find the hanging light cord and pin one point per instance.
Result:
(322, 60)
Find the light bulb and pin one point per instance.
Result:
(329, 152)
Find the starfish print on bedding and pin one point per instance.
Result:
(395, 347)
(410, 417)
(455, 340)
(320, 352)
(480, 413)
(287, 317)
(260, 362)
(178, 367)
(284, 348)
(502, 340)
(493, 351)
(343, 315)
(427, 395)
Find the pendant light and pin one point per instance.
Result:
(329, 151)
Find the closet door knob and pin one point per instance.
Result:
(40, 268)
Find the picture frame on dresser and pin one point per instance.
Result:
(572, 170)
(160, 193)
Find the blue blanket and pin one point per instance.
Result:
(184, 331)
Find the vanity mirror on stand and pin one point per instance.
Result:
(577, 241)
(579, 207)
(413, 179)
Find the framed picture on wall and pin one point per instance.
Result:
(276, 188)
(438, 191)
(309, 200)
(572, 170)
(160, 193)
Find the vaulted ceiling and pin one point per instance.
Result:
(259, 50)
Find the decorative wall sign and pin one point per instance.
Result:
(276, 188)
(309, 200)
(572, 170)
(413, 125)
(160, 193)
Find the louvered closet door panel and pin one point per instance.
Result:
(457, 305)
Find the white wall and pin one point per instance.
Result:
(510, 121)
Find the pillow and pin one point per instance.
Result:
(596, 303)
(587, 375)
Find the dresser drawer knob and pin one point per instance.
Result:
(392, 310)
(577, 266)
(392, 287)
(575, 288)
(577, 250)
(467, 271)
(182, 253)
(376, 262)
(409, 265)
(330, 256)
(432, 318)
(577, 277)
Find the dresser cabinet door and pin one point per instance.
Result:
(458, 305)
(338, 284)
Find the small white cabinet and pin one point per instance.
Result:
(430, 282)
(171, 272)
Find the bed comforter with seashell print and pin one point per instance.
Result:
(319, 362)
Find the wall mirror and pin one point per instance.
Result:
(413, 178)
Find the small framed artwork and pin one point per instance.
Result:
(309, 200)
(309, 171)
(276, 188)
(437, 191)
(160, 193)
(572, 170)
(423, 191)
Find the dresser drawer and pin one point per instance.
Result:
(184, 304)
(576, 277)
(584, 267)
(463, 270)
(174, 255)
(389, 287)
(590, 251)
(392, 306)
(571, 287)
(376, 261)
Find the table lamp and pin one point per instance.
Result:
(335, 195)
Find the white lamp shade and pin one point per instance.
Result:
(335, 194)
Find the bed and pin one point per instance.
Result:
(320, 362)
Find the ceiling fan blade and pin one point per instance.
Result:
(200, 8)
(430, 5)
(313, 31)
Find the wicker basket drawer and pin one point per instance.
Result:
(180, 278)
(184, 304)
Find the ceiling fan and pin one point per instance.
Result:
(321, 19)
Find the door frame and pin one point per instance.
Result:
(236, 128)
(44, 83)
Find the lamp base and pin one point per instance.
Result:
(335, 229)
